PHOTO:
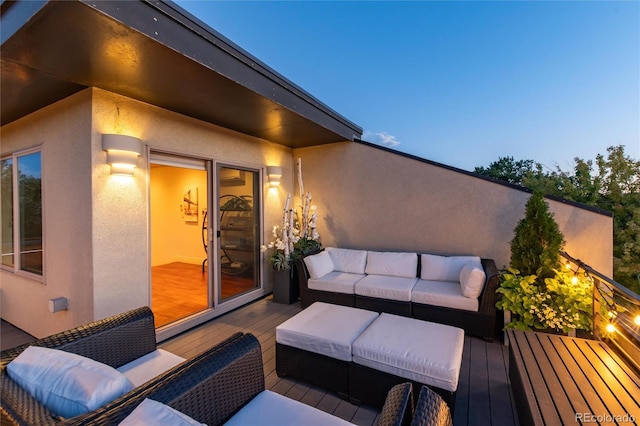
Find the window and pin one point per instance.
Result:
(21, 227)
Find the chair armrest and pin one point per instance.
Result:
(398, 406)
(488, 298)
(114, 341)
(209, 388)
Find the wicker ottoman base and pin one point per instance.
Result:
(329, 373)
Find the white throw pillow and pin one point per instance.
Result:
(65, 383)
(472, 279)
(348, 260)
(394, 264)
(152, 413)
(319, 264)
(444, 268)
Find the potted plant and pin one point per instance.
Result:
(537, 290)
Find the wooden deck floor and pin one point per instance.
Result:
(483, 398)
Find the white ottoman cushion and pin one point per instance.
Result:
(445, 268)
(325, 329)
(386, 287)
(447, 294)
(336, 281)
(391, 263)
(270, 408)
(426, 352)
(348, 260)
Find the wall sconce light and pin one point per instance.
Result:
(122, 153)
(274, 173)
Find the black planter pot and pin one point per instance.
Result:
(285, 287)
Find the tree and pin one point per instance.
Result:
(610, 183)
(536, 245)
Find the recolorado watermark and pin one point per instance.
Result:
(604, 418)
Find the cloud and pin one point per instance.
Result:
(381, 138)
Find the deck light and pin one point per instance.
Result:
(636, 320)
(274, 174)
(122, 153)
(610, 328)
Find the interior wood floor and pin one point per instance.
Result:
(180, 289)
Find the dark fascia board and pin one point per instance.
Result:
(185, 66)
(483, 177)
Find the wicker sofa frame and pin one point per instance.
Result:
(481, 323)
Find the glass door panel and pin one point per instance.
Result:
(239, 245)
(179, 270)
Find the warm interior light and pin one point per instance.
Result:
(567, 265)
(122, 153)
(574, 279)
(612, 314)
(610, 328)
(636, 320)
(274, 174)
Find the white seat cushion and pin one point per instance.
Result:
(348, 260)
(386, 287)
(145, 368)
(336, 281)
(66, 383)
(319, 264)
(325, 329)
(150, 412)
(444, 268)
(442, 293)
(393, 264)
(426, 352)
(472, 278)
(270, 408)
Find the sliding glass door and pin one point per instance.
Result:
(238, 231)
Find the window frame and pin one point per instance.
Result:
(15, 201)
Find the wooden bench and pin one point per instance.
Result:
(566, 380)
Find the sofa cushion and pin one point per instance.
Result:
(270, 408)
(65, 383)
(445, 268)
(319, 264)
(472, 278)
(386, 287)
(392, 264)
(447, 294)
(150, 412)
(336, 281)
(325, 329)
(145, 368)
(418, 350)
(348, 260)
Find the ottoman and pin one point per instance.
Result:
(394, 349)
(315, 345)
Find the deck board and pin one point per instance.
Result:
(483, 396)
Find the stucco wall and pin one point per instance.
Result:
(64, 132)
(374, 199)
(97, 225)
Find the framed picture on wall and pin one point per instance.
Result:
(189, 205)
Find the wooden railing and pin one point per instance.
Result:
(616, 314)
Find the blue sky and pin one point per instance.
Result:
(461, 83)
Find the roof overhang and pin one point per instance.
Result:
(157, 53)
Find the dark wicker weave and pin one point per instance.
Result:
(431, 410)
(398, 406)
(370, 386)
(309, 296)
(114, 341)
(326, 372)
(481, 323)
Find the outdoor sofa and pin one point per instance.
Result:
(452, 290)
